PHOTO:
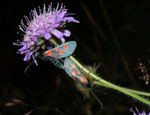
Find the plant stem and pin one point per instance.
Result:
(110, 85)
(130, 90)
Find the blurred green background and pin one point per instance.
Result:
(113, 32)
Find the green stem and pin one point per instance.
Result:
(108, 84)
(130, 90)
(138, 92)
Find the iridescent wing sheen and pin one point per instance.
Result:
(74, 72)
(61, 51)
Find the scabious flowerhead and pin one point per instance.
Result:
(40, 27)
(138, 113)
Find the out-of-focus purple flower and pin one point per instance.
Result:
(41, 27)
(138, 113)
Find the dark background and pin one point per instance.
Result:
(113, 32)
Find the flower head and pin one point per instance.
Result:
(41, 27)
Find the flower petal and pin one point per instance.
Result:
(23, 48)
(35, 39)
(63, 40)
(67, 33)
(60, 16)
(70, 19)
(57, 33)
(62, 13)
(47, 35)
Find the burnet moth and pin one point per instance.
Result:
(75, 73)
(63, 51)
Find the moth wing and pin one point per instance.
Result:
(74, 72)
(68, 68)
(62, 51)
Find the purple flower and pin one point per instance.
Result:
(41, 27)
(138, 113)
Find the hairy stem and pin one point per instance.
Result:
(110, 85)
(130, 90)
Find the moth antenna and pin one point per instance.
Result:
(25, 71)
(101, 104)
(91, 89)
(96, 89)
(100, 91)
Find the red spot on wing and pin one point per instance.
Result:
(49, 54)
(47, 51)
(73, 66)
(65, 47)
(78, 72)
(56, 49)
(73, 73)
(60, 52)
(83, 79)
(75, 78)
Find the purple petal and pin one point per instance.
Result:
(67, 33)
(22, 52)
(28, 32)
(25, 58)
(63, 40)
(60, 16)
(35, 39)
(57, 33)
(47, 25)
(28, 57)
(70, 19)
(143, 113)
(56, 25)
(26, 38)
(47, 35)
(23, 48)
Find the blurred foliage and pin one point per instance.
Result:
(115, 33)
